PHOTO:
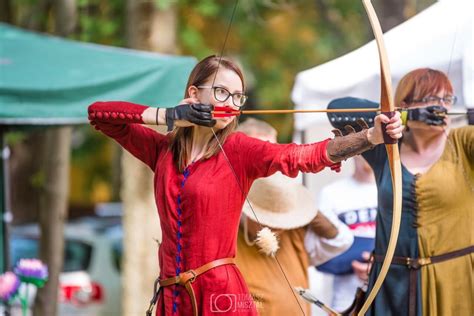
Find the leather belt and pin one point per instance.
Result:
(414, 264)
(186, 279)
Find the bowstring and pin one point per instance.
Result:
(452, 48)
(229, 163)
(451, 145)
(229, 26)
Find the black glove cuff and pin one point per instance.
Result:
(470, 116)
(169, 115)
(431, 115)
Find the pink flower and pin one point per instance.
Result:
(9, 284)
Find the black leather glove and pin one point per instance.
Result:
(196, 113)
(431, 115)
(470, 116)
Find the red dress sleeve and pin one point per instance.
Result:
(262, 158)
(122, 122)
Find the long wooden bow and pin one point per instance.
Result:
(387, 105)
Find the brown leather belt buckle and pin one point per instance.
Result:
(417, 263)
(413, 263)
(188, 276)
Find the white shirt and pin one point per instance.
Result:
(354, 204)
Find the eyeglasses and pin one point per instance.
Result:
(448, 100)
(222, 94)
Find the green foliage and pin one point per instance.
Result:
(101, 21)
(165, 4)
(15, 137)
(208, 8)
(190, 37)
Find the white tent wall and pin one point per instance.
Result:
(440, 37)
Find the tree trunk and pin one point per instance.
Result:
(55, 158)
(141, 229)
(164, 31)
(55, 154)
(37, 19)
(26, 173)
(151, 29)
(147, 29)
(139, 19)
(117, 154)
(6, 11)
(65, 16)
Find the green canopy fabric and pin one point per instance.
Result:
(47, 80)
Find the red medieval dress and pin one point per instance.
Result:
(200, 208)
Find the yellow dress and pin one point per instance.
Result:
(445, 223)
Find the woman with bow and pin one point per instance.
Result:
(432, 270)
(203, 172)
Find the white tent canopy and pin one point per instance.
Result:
(440, 37)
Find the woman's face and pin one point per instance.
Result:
(432, 99)
(227, 81)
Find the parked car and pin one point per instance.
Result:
(90, 281)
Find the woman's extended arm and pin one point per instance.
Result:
(341, 148)
(262, 159)
(122, 122)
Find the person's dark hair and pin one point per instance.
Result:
(181, 137)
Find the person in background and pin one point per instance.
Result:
(357, 209)
(288, 208)
(432, 270)
(350, 202)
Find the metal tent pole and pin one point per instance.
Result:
(3, 257)
(4, 211)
